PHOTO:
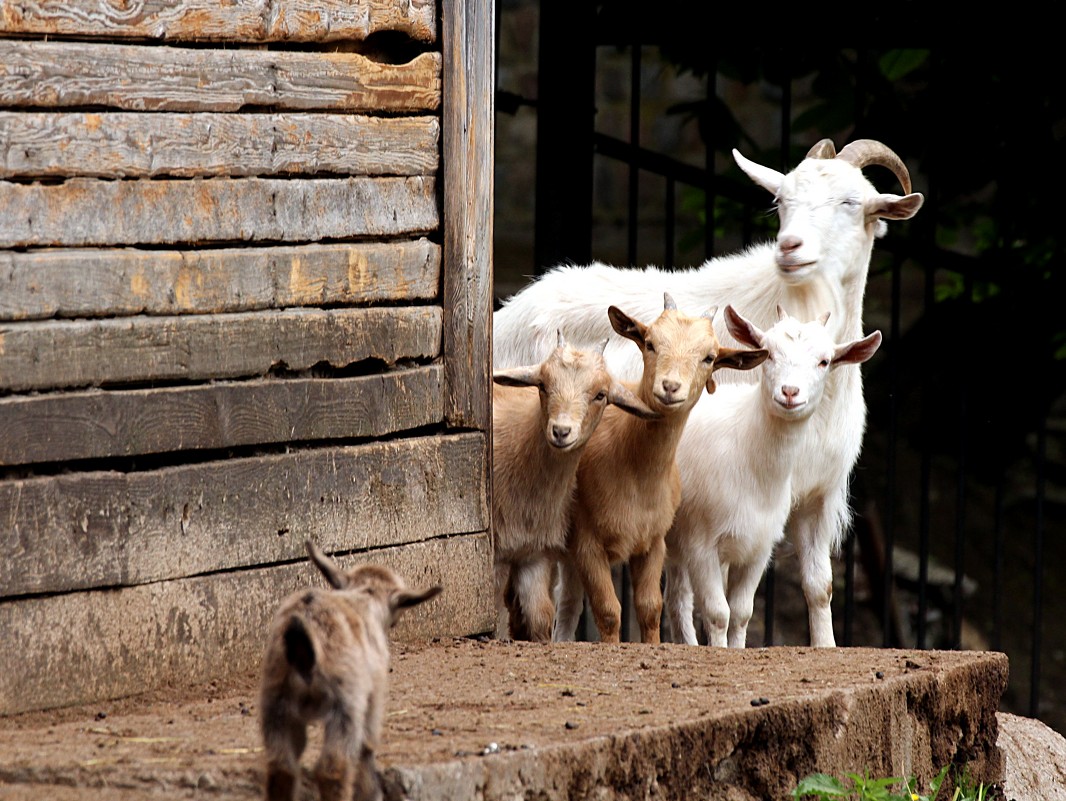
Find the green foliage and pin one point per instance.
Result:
(864, 788)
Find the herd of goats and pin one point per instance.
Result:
(605, 452)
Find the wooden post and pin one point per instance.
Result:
(467, 170)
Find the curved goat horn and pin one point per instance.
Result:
(668, 302)
(863, 152)
(825, 149)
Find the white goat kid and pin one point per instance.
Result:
(327, 658)
(628, 486)
(830, 216)
(737, 457)
(542, 416)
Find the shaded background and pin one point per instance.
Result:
(958, 541)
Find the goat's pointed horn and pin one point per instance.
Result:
(824, 318)
(781, 313)
(710, 313)
(668, 302)
(560, 340)
(825, 149)
(603, 346)
(864, 152)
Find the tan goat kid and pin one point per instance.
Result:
(628, 486)
(327, 658)
(542, 416)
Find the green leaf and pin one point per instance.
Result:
(896, 64)
(820, 784)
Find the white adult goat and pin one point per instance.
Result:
(542, 416)
(830, 215)
(736, 458)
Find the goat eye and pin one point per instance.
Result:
(601, 396)
(823, 363)
(708, 359)
(650, 347)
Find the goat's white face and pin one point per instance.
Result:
(794, 373)
(830, 214)
(801, 356)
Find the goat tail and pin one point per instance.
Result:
(299, 649)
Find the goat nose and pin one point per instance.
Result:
(671, 386)
(789, 391)
(561, 432)
(789, 243)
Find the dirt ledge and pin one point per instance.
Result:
(474, 719)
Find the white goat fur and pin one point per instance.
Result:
(327, 659)
(830, 215)
(736, 458)
(542, 416)
(628, 486)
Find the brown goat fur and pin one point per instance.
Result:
(628, 485)
(542, 416)
(327, 659)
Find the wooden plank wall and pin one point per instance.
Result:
(238, 308)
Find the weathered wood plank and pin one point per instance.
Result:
(99, 424)
(80, 353)
(136, 78)
(103, 529)
(107, 644)
(198, 20)
(88, 211)
(467, 138)
(131, 145)
(99, 283)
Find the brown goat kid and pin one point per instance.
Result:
(542, 416)
(327, 658)
(628, 485)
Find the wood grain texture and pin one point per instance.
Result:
(132, 145)
(137, 78)
(120, 282)
(106, 644)
(467, 137)
(102, 529)
(80, 353)
(88, 211)
(198, 20)
(99, 424)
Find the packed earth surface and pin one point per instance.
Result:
(470, 699)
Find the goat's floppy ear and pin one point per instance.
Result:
(626, 325)
(858, 351)
(620, 396)
(518, 377)
(737, 359)
(742, 329)
(768, 179)
(329, 569)
(894, 207)
(400, 600)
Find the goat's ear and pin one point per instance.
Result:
(858, 351)
(742, 329)
(400, 600)
(334, 575)
(518, 377)
(768, 179)
(626, 326)
(620, 396)
(740, 359)
(894, 207)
